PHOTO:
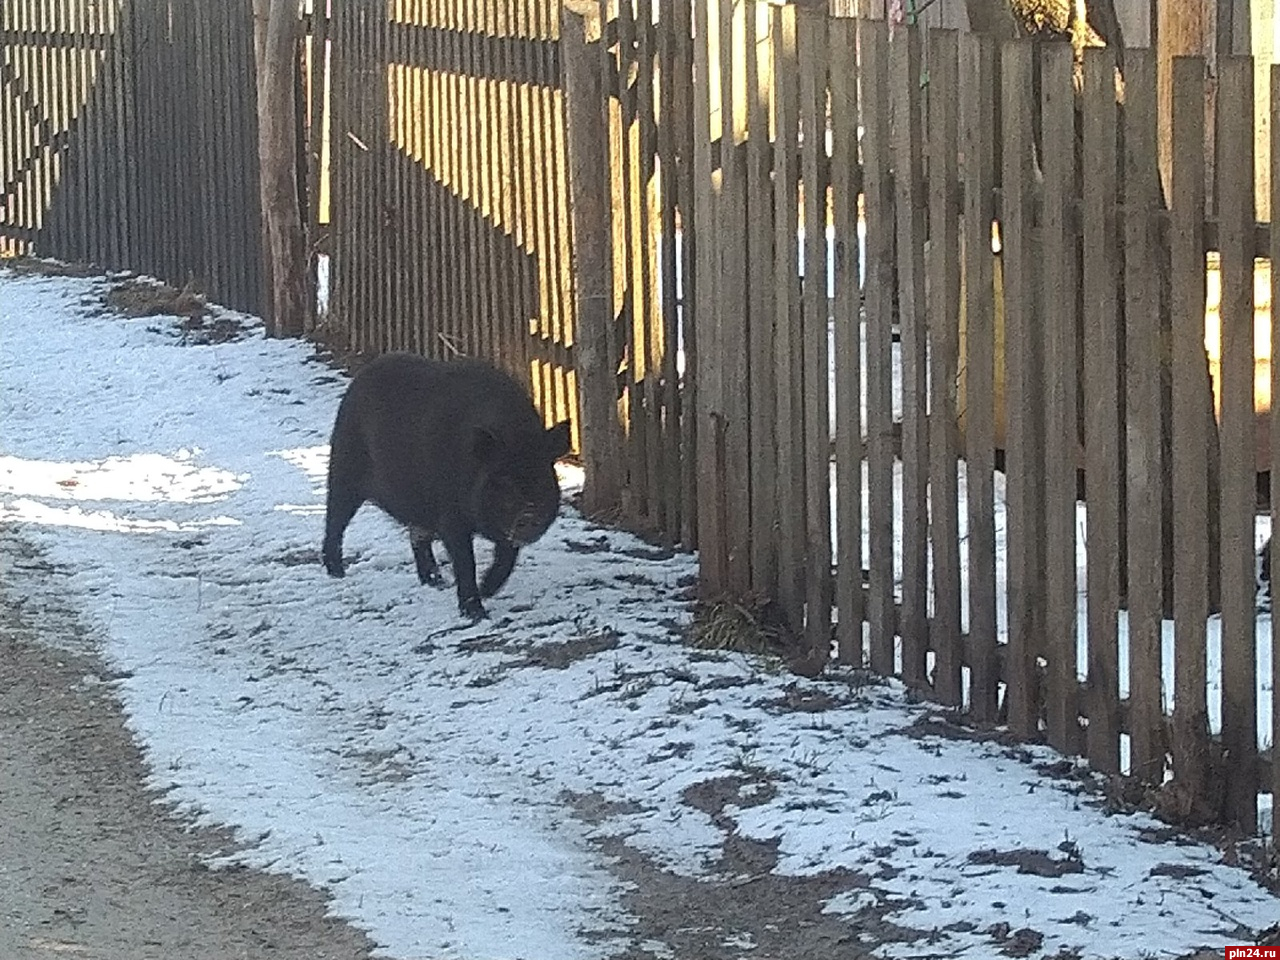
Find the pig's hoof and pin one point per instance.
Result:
(472, 609)
(432, 579)
(335, 569)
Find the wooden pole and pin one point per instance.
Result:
(587, 131)
(275, 38)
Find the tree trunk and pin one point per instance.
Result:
(275, 36)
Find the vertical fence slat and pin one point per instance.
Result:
(711, 534)
(1143, 429)
(845, 186)
(469, 334)
(732, 300)
(1191, 427)
(79, 133)
(683, 94)
(147, 179)
(1061, 321)
(944, 329)
(566, 375)
(759, 236)
(10, 146)
(509, 292)
(816, 325)
(909, 208)
(229, 267)
(82, 175)
(1022, 388)
(646, 253)
(454, 306)
(1235, 237)
(425, 184)
(359, 147)
(9, 155)
(545, 217)
(1275, 432)
(438, 124)
(667, 141)
(627, 183)
(52, 93)
(482, 156)
(878, 199)
(395, 275)
(1101, 388)
(786, 306)
(122, 92)
(49, 94)
(95, 218)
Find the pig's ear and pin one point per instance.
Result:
(556, 441)
(484, 445)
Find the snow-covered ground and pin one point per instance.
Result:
(361, 736)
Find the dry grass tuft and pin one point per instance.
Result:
(747, 628)
(25, 266)
(143, 298)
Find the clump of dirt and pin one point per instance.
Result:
(595, 808)
(794, 699)
(1016, 943)
(1039, 863)
(712, 796)
(559, 655)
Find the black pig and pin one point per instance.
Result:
(449, 449)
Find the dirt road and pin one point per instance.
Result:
(90, 865)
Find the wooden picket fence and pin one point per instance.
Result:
(128, 139)
(651, 212)
(850, 412)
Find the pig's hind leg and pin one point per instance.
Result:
(424, 557)
(504, 560)
(342, 503)
(348, 469)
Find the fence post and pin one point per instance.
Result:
(590, 199)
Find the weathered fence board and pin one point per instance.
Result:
(978, 122)
(816, 313)
(1061, 322)
(909, 208)
(1239, 651)
(944, 328)
(786, 302)
(1102, 401)
(873, 38)
(846, 177)
(760, 240)
(1145, 457)
(1022, 330)
(1275, 421)
(1191, 437)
